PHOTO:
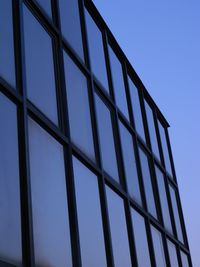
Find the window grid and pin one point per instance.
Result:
(61, 134)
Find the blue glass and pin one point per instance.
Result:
(78, 107)
(40, 78)
(118, 82)
(141, 243)
(130, 163)
(152, 130)
(163, 200)
(148, 187)
(176, 214)
(96, 51)
(10, 214)
(165, 148)
(70, 24)
(184, 259)
(172, 254)
(106, 138)
(49, 199)
(7, 62)
(89, 217)
(137, 113)
(119, 236)
(158, 247)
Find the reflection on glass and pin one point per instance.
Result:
(118, 230)
(147, 183)
(176, 214)
(89, 217)
(7, 62)
(172, 254)
(40, 77)
(96, 51)
(10, 223)
(107, 147)
(141, 243)
(163, 199)
(70, 24)
(137, 113)
(184, 259)
(165, 148)
(49, 200)
(152, 130)
(158, 247)
(46, 5)
(78, 107)
(118, 82)
(129, 163)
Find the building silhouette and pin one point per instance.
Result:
(86, 170)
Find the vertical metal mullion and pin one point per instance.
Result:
(25, 187)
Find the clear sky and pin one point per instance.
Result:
(161, 38)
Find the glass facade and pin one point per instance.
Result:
(86, 171)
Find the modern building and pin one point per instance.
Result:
(86, 171)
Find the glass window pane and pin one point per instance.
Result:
(152, 130)
(118, 83)
(141, 243)
(147, 183)
(96, 51)
(49, 199)
(118, 230)
(184, 259)
(163, 200)
(165, 149)
(7, 63)
(172, 254)
(158, 247)
(176, 214)
(107, 146)
(70, 24)
(40, 77)
(89, 217)
(78, 107)
(129, 163)
(46, 5)
(137, 113)
(10, 223)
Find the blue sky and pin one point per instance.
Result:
(162, 41)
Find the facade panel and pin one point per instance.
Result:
(86, 170)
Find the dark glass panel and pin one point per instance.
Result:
(78, 107)
(70, 24)
(137, 113)
(89, 217)
(172, 254)
(46, 5)
(107, 146)
(141, 243)
(118, 83)
(165, 149)
(130, 164)
(7, 62)
(163, 200)
(118, 230)
(147, 183)
(176, 214)
(152, 130)
(10, 223)
(158, 247)
(96, 51)
(49, 199)
(40, 79)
